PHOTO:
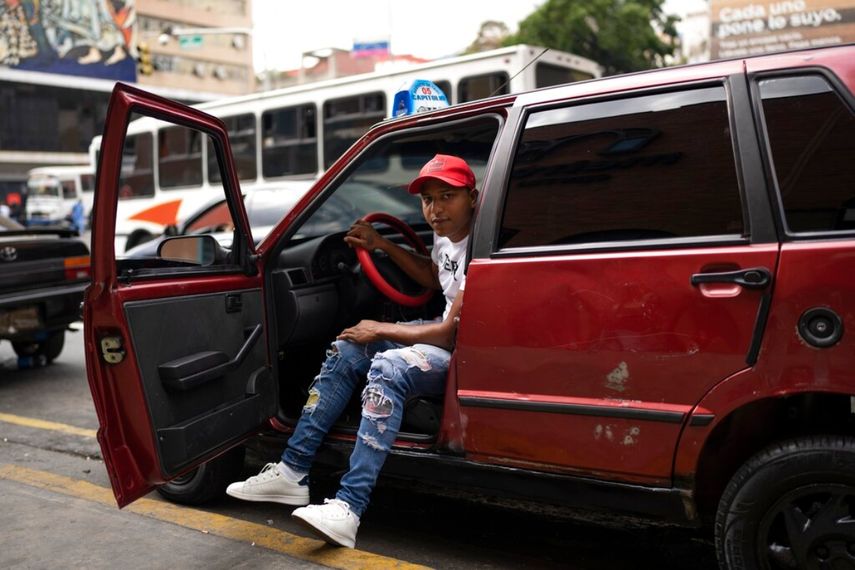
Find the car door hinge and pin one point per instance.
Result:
(111, 349)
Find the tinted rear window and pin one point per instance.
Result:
(648, 167)
(811, 132)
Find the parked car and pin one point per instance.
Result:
(657, 305)
(43, 273)
(264, 207)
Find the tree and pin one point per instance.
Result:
(491, 34)
(620, 35)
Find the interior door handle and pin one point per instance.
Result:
(751, 278)
(194, 370)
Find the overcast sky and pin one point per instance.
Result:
(284, 29)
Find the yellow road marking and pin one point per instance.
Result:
(44, 424)
(219, 525)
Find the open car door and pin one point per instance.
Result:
(176, 348)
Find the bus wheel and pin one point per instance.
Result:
(136, 238)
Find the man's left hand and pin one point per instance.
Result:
(364, 332)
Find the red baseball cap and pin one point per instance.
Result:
(452, 170)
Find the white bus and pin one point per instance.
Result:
(53, 191)
(288, 137)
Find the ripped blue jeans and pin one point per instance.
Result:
(394, 372)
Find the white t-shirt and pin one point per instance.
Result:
(450, 259)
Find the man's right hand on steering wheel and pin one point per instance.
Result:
(363, 234)
(418, 265)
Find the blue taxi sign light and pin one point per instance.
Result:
(420, 96)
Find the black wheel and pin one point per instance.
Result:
(25, 348)
(206, 482)
(137, 238)
(49, 348)
(52, 347)
(791, 506)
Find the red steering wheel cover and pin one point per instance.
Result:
(370, 268)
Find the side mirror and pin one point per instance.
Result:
(202, 250)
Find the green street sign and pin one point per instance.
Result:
(190, 42)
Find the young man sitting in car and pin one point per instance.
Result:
(398, 359)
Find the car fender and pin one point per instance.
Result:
(736, 392)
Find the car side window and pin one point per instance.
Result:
(377, 181)
(810, 130)
(657, 166)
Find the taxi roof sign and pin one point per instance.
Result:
(420, 96)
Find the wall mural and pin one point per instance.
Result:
(92, 38)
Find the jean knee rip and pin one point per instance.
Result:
(312, 400)
(333, 356)
(413, 357)
(376, 405)
(372, 442)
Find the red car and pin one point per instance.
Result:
(657, 305)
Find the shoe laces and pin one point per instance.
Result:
(341, 505)
(269, 472)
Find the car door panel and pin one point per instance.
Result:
(597, 367)
(177, 358)
(189, 420)
(609, 300)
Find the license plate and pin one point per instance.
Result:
(19, 320)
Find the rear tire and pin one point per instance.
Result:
(53, 346)
(208, 481)
(791, 506)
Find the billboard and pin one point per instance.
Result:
(90, 38)
(746, 27)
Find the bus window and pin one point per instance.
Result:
(547, 74)
(87, 182)
(289, 141)
(347, 119)
(242, 137)
(69, 189)
(445, 86)
(179, 157)
(481, 86)
(137, 176)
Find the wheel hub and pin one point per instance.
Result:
(811, 527)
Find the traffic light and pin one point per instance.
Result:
(144, 64)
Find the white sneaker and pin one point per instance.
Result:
(333, 521)
(270, 485)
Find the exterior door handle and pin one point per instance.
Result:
(751, 278)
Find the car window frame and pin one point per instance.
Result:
(758, 225)
(767, 156)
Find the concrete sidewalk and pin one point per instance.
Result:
(42, 529)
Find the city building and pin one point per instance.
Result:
(196, 45)
(59, 60)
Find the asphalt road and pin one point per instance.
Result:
(58, 510)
